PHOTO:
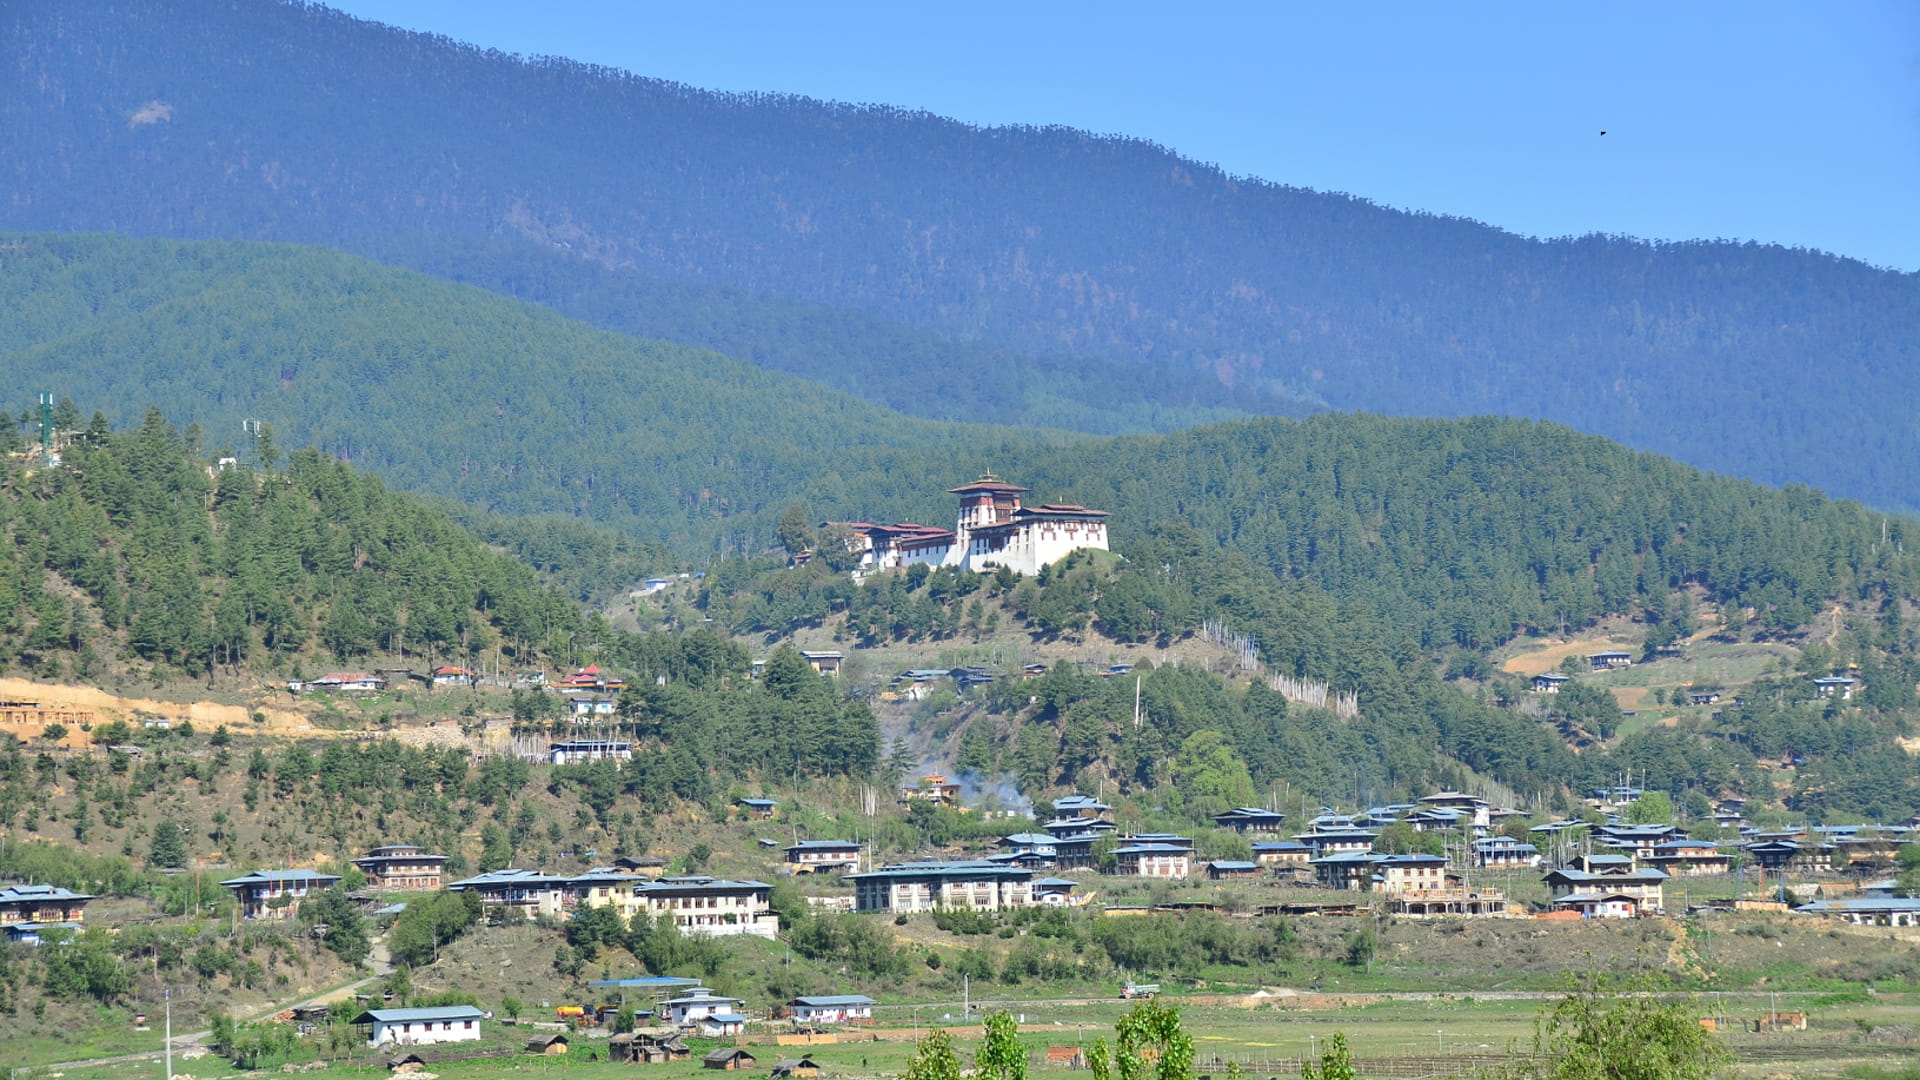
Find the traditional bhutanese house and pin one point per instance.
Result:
(33, 933)
(1610, 659)
(527, 893)
(552, 1044)
(1645, 886)
(758, 808)
(1337, 841)
(41, 904)
(1703, 697)
(402, 867)
(802, 1066)
(276, 894)
(1498, 852)
(831, 1009)
(923, 886)
(826, 662)
(649, 1046)
(1281, 853)
(1053, 891)
(731, 1059)
(348, 680)
(823, 856)
(578, 751)
(452, 676)
(589, 678)
(696, 1004)
(605, 886)
(712, 907)
(1080, 806)
(933, 788)
(1793, 856)
(1219, 869)
(1409, 873)
(1549, 682)
(420, 1027)
(1040, 845)
(1840, 686)
(1689, 858)
(1868, 910)
(1602, 905)
(590, 706)
(1250, 819)
(1604, 862)
(1161, 860)
(1068, 826)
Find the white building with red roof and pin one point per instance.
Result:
(994, 530)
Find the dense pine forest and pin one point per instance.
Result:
(737, 222)
(1467, 531)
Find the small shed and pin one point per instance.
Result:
(554, 1043)
(802, 1066)
(731, 1059)
(407, 1062)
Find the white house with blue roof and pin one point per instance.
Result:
(420, 1027)
(831, 1009)
(276, 894)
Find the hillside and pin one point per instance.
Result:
(1464, 531)
(741, 219)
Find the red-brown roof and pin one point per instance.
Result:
(450, 670)
(988, 482)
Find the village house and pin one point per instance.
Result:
(923, 886)
(1792, 856)
(1154, 860)
(357, 681)
(1376, 872)
(993, 530)
(1221, 869)
(795, 1068)
(1688, 858)
(276, 894)
(527, 893)
(1035, 847)
(589, 707)
(1281, 853)
(651, 1046)
(1584, 891)
(1703, 697)
(712, 907)
(589, 679)
(420, 1027)
(831, 1009)
(1868, 910)
(758, 808)
(713, 1015)
(1610, 659)
(580, 751)
(933, 788)
(1074, 851)
(1504, 852)
(1638, 840)
(1334, 840)
(402, 867)
(1840, 686)
(1603, 905)
(1081, 806)
(825, 662)
(823, 856)
(1250, 819)
(36, 905)
(731, 1059)
(1054, 892)
(1549, 682)
(452, 676)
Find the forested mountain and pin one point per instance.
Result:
(1462, 530)
(130, 550)
(205, 118)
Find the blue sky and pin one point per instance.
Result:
(1795, 123)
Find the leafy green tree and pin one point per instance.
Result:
(1149, 1044)
(1604, 1029)
(1001, 1057)
(1336, 1061)
(1651, 808)
(934, 1058)
(346, 933)
(793, 533)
